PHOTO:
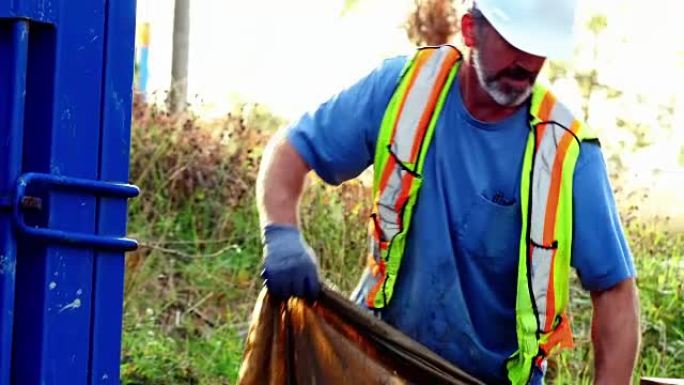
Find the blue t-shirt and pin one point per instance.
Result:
(457, 284)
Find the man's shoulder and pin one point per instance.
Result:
(391, 68)
(591, 163)
(545, 106)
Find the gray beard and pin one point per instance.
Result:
(494, 88)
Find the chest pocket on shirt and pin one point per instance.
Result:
(491, 229)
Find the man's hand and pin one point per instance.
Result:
(615, 333)
(290, 267)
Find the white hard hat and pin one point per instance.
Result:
(539, 27)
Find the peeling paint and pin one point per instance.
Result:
(66, 114)
(6, 265)
(55, 170)
(73, 305)
(52, 285)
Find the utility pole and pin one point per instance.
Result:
(178, 92)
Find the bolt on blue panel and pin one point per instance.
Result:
(65, 108)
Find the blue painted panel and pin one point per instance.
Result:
(54, 295)
(66, 70)
(74, 152)
(44, 11)
(13, 66)
(115, 144)
(30, 268)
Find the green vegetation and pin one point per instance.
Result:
(191, 286)
(659, 259)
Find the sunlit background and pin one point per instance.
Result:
(292, 55)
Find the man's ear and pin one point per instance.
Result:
(468, 30)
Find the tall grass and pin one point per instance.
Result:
(659, 260)
(191, 286)
(187, 288)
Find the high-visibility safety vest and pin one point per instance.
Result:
(552, 149)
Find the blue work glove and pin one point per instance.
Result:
(290, 266)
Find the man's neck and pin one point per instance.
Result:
(476, 99)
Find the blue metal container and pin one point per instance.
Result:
(66, 69)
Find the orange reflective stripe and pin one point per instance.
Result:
(545, 109)
(554, 188)
(403, 195)
(452, 56)
(407, 181)
(546, 106)
(386, 172)
(550, 219)
(423, 57)
(561, 337)
(377, 268)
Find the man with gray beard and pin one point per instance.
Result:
(487, 190)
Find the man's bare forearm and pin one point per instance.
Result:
(615, 333)
(280, 182)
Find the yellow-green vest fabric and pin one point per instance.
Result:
(551, 154)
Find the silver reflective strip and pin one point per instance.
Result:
(402, 143)
(374, 249)
(416, 102)
(364, 286)
(540, 189)
(561, 115)
(541, 180)
(388, 215)
(541, 269)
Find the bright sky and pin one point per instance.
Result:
(292, 54)
(289, 55)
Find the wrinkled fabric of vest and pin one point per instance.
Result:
(334, 342)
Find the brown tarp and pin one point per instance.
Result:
(335, 342)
